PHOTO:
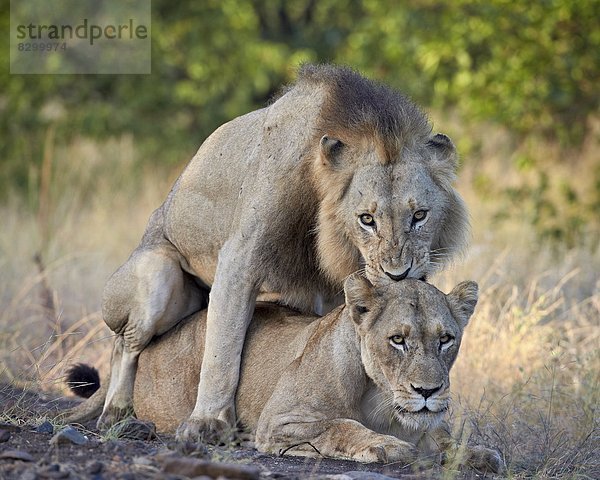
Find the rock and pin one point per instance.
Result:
(53, 471)
(357, 475)
(16, 455)
(29, 475)
(45, 427)
(4, 436)
(141, 461)
(9, 427)
(192, 467)
(94, 467)
(135, 429)
(332, 476)
(69, 435)
(52, 475)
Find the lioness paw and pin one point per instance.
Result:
(205, 430)
(388, 452)
(485, 460)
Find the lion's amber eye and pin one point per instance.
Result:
(367, 220)
(446, 339)
(419, 215)
(397, 340)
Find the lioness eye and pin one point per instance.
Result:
(446, 339)
(397, 339)
(367, 220)
(419, 215)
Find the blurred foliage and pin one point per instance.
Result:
(558, 215)
(530, 66)
(561, 205)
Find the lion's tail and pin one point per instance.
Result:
(84, 381)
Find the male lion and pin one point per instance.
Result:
(336, 175)
(368, 382)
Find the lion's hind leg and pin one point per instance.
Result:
(146, 297)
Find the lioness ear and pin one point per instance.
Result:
(330, 149)
(462, 300)
(445, 158)
(359, 293)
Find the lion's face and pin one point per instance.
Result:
(402, 218)
(410, 335)
(394, 213)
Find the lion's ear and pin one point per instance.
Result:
(359, 293)
(462, 300)
(330, 149)
(444, 158)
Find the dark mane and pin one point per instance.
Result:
(357, 107)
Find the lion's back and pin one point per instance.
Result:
(250, 173)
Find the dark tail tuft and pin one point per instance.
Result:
(83, 380)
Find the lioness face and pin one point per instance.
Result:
(410, 335)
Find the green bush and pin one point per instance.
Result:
(529, 66)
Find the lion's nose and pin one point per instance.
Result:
(401, 276)
(426, 392)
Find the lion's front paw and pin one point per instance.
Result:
(388, 451)
(205, 430)
(485, 460)
(113, 415)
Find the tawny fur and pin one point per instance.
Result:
(335, 384)
(271, 203)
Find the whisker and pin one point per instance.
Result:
(384, 400)
(442, 249)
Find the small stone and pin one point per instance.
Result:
(29, 475)
(53, 471)
(9, 427)
(69, 435)
(192, 467)
(45, 427)
(141, 461)
(134, 429)
(16, 455)
(94, 467)
(4, 436)
(358, 475)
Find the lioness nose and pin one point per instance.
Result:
(426, 392)
(396, 278)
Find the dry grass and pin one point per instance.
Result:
(527, 379)
(57, 249)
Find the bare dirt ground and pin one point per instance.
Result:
(30, 454)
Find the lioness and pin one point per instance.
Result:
(336, 175)
(368, 382)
